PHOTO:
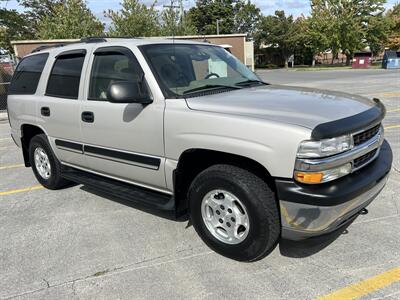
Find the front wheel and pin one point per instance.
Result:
(234, 212)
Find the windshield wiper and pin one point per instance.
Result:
(250, 82)
(209, 87)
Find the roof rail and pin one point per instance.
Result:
(83, 40)
(101, 39)
(93, 39)
(44, 47)
(87, 40)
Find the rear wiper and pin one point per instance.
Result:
(210, 86)
(251, 82)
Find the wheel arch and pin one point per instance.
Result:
(193, 161)
(28, 131)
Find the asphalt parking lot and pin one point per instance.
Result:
(76, 244)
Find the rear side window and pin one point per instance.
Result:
(65, 76)
(27, 75)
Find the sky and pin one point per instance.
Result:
(295, 7)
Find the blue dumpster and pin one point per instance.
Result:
(391, 60)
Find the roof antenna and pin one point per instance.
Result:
(172, 7)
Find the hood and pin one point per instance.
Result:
(305, 107)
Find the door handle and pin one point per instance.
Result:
(45, 111)
(88, 117)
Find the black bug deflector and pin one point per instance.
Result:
(351, 124)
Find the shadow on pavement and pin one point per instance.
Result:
(136, 205)
(288, 248)
(311, 246)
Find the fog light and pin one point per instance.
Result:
(323, 176)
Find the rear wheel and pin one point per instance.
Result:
(45, 164)
(234, 212)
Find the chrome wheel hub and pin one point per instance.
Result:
(42, 163)
(225, 217)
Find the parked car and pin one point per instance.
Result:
(6, 68)
(5, 77)
(185, 127)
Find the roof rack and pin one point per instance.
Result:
(93, 39)
(87, 40)
(44, 47)
(101, 39)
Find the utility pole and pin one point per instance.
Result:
(218, 21)
(180, 7)
(172, 6)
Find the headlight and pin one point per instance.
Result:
(323, 176)
(327, 147)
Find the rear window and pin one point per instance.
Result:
(27, 75)
(65, 76)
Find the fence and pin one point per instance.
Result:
(7, 66)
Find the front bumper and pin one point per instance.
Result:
(312, 210)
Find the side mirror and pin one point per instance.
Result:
(128, 92)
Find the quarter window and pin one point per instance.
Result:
(110, 67)
(65, 76)
(27, 75)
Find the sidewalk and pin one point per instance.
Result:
(3, 116)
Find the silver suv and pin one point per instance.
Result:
(185, 127)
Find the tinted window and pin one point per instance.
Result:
(181, 69)
(65, 76)
(27, 75)
(111, 67)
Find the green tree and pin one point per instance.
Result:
(246, 17)
(13, 26)
(176, 23)
(206, 13)
(323, 28)
(350, 24)
(317, 32)
(36, 10)
(70, 20)
(281, 32)
(377, 33)
(393, 19)
(134, 19)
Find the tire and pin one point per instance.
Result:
(53, 179)
(242, 188)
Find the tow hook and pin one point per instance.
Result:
(364, 211)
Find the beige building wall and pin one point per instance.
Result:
(237, 41)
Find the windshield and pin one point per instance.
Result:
(185, 69)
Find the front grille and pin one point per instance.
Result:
(363, 160)
(366, 135)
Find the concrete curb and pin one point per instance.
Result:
(3, 116)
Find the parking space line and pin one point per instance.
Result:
(386, 94)
(12, 192)
(365, 287)
(393, 110)
(392, 127)
(391, 94)
(12, 167)
(5, 139)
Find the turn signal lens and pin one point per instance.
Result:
(309, 177)
(323, 176)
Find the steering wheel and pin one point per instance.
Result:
(210, 75)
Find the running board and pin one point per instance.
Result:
(124, 191)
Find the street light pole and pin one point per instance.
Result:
(218, 21)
